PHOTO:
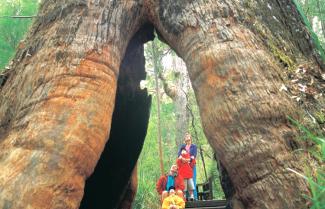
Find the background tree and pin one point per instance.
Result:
(176, 85)
(172, 73)
(156, 71)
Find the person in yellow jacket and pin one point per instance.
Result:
(173, 201)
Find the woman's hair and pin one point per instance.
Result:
(187, 134)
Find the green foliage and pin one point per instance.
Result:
(148, 163)
(314, 8)
(320, 117)
(12, 30)
(316, 180)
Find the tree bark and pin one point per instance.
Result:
(58, 97)
(236, 77)
(57, 103)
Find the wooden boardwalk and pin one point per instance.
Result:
(207, 204)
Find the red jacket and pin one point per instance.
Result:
(185, 169)
(162, 182)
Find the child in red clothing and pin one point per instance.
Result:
(185, 168)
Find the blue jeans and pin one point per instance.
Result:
(194, 180)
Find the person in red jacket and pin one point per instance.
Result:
(172, 178)
(185, 168)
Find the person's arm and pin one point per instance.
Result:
(179, 162)
(193, 162)
(193, 150)
(159, 185)
(179, 151)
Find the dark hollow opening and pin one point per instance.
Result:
(106, 187)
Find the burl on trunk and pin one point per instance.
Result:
(58, 99)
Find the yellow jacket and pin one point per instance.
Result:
(173, 200)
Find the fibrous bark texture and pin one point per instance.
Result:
(113, 177)
(232, 51)
(58, 101)
(58, 98)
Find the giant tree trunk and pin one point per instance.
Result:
(178, 92)
(230, 50)
(58, 99)
(57, 105)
